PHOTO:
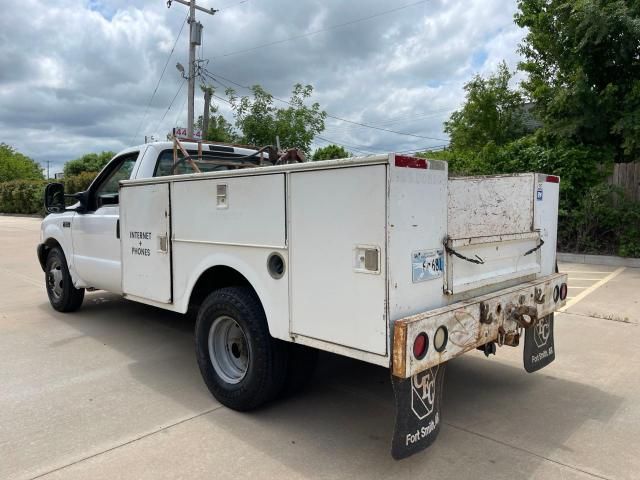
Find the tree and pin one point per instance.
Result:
(90, 162)
(330, 152)
(16, 166)
(582, 58)
(261, 122)
(491, 114)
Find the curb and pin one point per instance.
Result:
(609, 260)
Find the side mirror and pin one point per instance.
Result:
(54, 198)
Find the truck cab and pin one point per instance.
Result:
(89, 232)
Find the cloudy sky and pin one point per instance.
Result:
(76, 76)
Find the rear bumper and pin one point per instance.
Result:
(469, 324)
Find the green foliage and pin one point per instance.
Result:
(22, 196)
(330, 152)
(492, 113)
(91, 162)
(582, 59)
(79, 183)
(219, 130)
(16, 166)
(260, 121)
(27, 196)
(604, 221)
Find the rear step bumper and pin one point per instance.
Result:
(471, 323)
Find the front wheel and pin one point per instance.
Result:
(242, 365)
(63, 296)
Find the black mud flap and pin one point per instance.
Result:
(418, 415)
(539, 349)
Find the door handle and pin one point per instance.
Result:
(163, 243)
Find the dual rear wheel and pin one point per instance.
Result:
(242, 365)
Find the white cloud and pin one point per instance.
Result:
(76, 76)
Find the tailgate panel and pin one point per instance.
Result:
(491, 237)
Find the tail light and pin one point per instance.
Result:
(563, 291)
(441, 338)
(420, 346)
(556, 293)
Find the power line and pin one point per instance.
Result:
(171, 104)
(325, 29)
(213, 75)
(144, 116)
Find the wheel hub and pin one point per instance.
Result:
(55, 283)
(228, 349)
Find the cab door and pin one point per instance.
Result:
(95, 230)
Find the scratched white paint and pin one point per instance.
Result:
(488, 206)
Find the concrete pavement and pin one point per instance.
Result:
(113, 391)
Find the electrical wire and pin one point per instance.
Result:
(171, 104)
(213, 75)
(155, 90)
(325, 29)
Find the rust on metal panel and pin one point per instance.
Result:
(398, 350)
(467, 323)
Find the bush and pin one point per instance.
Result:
(27, 196)
(79, 183)
(22, 196)
(604, 222)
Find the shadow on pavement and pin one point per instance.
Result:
(344, 420)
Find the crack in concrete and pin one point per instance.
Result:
(124, 444)
(524, 450)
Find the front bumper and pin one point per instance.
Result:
(470, 324)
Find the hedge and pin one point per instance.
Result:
(27, 196)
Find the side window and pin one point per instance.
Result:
(165, 167)
(107, 192)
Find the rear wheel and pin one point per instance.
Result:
(242, 365)
(63, 296)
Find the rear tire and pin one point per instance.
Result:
(63, 296)
(241, 364)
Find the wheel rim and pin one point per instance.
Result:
(228, 349)
(55, 280)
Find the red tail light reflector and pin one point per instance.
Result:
(411, 162)
(553, 179)
(420, 346)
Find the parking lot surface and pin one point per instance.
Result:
(113, 391)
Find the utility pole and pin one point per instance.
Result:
(205, 116)
(195, 38)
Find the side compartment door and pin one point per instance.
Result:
(145, 232)
(337, 256)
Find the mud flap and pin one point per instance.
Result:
(539, 349)
(418, 415)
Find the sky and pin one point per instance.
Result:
(78, 76)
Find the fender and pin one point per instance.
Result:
(273, 293)
(52, 229)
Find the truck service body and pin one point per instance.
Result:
(382, 258)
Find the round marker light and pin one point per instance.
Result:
(556, 293)
(563, 291)
(440, 338)
(420, 346)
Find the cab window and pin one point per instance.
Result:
(106, 190)
(165, 167)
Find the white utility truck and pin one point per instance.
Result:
(384, 259)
